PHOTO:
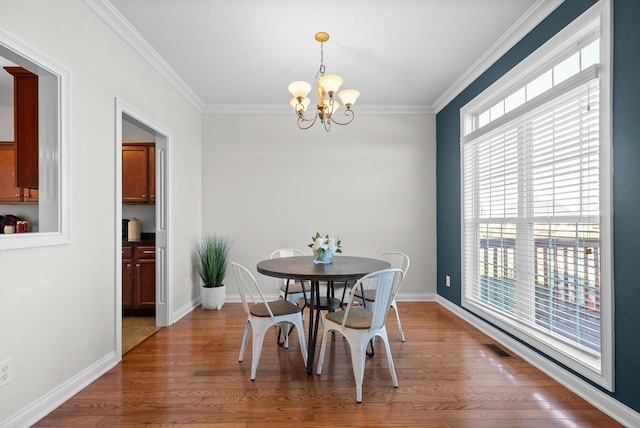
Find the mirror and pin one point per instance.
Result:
(41, 200)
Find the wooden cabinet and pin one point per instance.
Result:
(138, 173)
(145, 277)
(139, 278)
(10, 193)
(152, 174)
(127, 278)
(25, 99)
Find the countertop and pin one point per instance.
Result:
(146, 239)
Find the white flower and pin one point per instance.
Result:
(331, 245)
(321, 244)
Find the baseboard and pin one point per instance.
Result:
(57, 396)
(185, 310)
(416, 297)
(612, 407)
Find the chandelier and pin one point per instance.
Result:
(328, 105)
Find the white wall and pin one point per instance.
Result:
(6, 122)
(269, 185)
(57, 304)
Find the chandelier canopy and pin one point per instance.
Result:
(328, 105)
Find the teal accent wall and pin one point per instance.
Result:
(626, 180)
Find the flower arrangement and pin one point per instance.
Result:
(323, 248)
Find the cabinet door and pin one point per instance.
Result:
(127, 284)
(9, 193)
(29, 196)
(135, 174)
(146, 283)
(152, 174)
(25, 98)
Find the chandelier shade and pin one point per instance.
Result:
(348, 96)
(328, 86)
(297, 105)
(299, 89)
(330, 83)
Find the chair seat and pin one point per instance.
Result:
(369, 295)
(359, 318)
(278, 307)
(294, 288)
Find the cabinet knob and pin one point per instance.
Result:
(137, 264)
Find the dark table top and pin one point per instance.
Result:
(343, 268)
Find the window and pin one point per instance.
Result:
(536, 200)
(51, 210)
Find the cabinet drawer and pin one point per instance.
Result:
(145, 252)
(127, 253)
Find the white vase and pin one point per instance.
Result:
(212, 297)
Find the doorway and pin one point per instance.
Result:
(131, 125)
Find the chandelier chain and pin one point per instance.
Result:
(321, 70)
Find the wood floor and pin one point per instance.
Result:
(188, 375)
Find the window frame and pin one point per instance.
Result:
(56, 147)
(559, 47)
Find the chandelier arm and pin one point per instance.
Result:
(302, 119)
(347, 113)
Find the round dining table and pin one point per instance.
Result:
(303, 268)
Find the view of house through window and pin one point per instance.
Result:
(532, 208)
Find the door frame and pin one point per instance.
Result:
(163, 143)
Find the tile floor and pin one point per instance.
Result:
(135, 330)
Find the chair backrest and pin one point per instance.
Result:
(397, 260)
(248, 288)
(386, 283)
(286, 252)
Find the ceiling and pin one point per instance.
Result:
(241, 55)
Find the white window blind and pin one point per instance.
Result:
(531, 215)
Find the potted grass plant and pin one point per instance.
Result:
(210, 258)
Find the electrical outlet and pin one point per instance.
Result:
(5, 372)
(447, 281)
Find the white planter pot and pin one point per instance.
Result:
(212, 297)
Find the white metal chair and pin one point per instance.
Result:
(359, 325)
(262, 314)
(289, 289)
(397, 260)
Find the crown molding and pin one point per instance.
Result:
(114, 19)
(285, 109)
(527, 22)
